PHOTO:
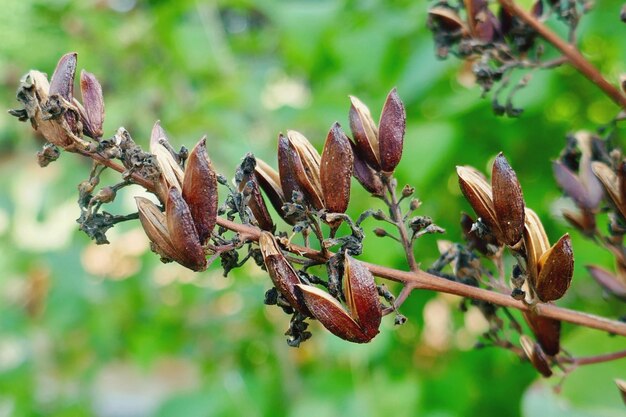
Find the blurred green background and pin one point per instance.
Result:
(109, 331)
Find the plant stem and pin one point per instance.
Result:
(396, 216)
(607, 357)
(570, 51)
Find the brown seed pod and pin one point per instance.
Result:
(154, 224)
(366, 175)
(269, 181)
(305, 164)
(200, 191)
(535, 244)
(286, 168)
(536, 356)
(608, 281)
(448, 19)
(365, 133)
(478, 193)
(556, 268)
(546, 330)
(391, 132)
(62, 81)
(571, 185)
(93, 105)
(284, 277)
(182, 232)
(336, 170)
(332, 315)
(362, 296)
(508, 201)
(172, 174)
(249, 186)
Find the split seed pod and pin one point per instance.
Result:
(283, 275)
(269, 180)
(92, 110)
(299, 167)
(171, 173)
(360, 322)
(535, 355)
(546, 330)
(336, 170)
(249, 185)
(614, 184)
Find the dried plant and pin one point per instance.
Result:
(311, 192)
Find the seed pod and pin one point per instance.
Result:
(611, 184)
(249, 186)
(62, 81)
(284, 277)
(269, 181)
(154, 224)
(508, 201)
(556, 268)
(286, 168)
(535, 244)
(547, 331)
(478, 193)
(365, 133)
(362, 296)
(93, 105)
(200, 191)
(336, 170)
(182, 231)
(447, 19)
(391, 132)
(535, 355)
(366, 176)
(305, 163)
(608, 281)
(172, 173)
(571, 185)
(332, 315)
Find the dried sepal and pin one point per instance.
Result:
(283, 275)
(154, 224)
(547, 331)
(508, 201)
(362, 296)
(365, 132)
(391, 132)
(172, 173)
(556, 268)
(608, 281)
(93, 105)
(536, 356)
(332, 315)
(200, 190)
(336, 170)
(182, 232)
(62, 80)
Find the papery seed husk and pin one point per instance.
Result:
(283, 275)
(362, 296)
(306, 163)
(170, 170)
(288, 180)
(62, 81)
(448, 19)
(556, 268)
(269, 181)
(365, 132)
(366, 175)
(154, 224)
(478, 193)
(336, 170)
(508, 201)
(536, 243)
(93, 104)
(536, 356)
(608, 281)
(182, 231)
(332, 315)
(611, 185)
(547, 331)
(391, 132)
(571, 185)
(200, 190)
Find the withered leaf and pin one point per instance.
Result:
(283, 275)
(200, 190)
(336, 170)
(93, 104)
(391, 132)
(182, 231)
(508, 201)
(556, 268)
(332, 315)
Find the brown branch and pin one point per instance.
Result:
(607, 357)
(570, 51)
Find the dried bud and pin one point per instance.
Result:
(336, 170)
(200, 191)
(182, 231)
(508, 201)
(556, 268)
(105, 195)
(284, 277)
(535, 355)
(391, 132)
(546, 330)
(93, 105)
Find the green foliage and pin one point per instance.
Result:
(110, 331)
